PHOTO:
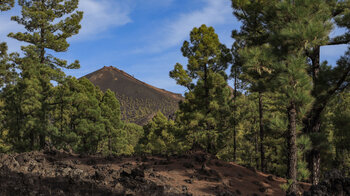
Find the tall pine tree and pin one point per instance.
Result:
(328, 80)
(292, 27)
(252, 34)
(46, 29)
(22, 105)
(205, 109)
(110, 112)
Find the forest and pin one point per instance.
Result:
(287, 113)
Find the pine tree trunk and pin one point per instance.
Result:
(44, 116)
(316, 163)
(256, 150)
(261, 123)
(315, 155)
(315, 65)
(43, 84)
(235, 117)
(313, 123)
(43, 127)
(256, 143)
(292, 148)
(61, 123)
(206, 88)
(234, 144)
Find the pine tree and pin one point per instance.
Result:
(244, 117)
(292, 27)
(61, 133)
(205, 109)
(110, 112)
(275, 140)
(7, 76)
(327, 82)
(321, 17)
(86, 122)
(4, 145)
(296, 90)
(8, 72)
(293, 75)
(5, 66)
(39, 17)
(134, 133)
(47, 30)
(256, 73)
(235, 73)
(6, 5)
(158, 136)
(331, 81)
(22, 105)
(341, 120)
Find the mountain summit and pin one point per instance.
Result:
(139, 101)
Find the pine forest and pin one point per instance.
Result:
(268, 102)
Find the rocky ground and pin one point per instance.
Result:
(62, 173)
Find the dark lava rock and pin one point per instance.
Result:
(22, 159)
(36, 173)
(132, 173)
(125, 172)
(209, 175)
(238, 192)
(217, 163)
(91, 162)
(144, 159)
(99, 176)
(163, 162)
(189, 181)
(137, 173)
(270, 178)
(14, 183)
(226, 193)
(200, 158)
(257, 183)
(262, 189)
(110, 158)
(188, 165)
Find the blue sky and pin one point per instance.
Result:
(143, 37)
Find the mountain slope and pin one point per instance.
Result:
(139, 101)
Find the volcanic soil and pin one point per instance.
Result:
(62, 173)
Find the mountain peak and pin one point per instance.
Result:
(139, 100)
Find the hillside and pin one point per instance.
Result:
(139, 101)
(62, 173)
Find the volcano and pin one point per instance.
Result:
(139, 101)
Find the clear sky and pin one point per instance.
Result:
(143, 37)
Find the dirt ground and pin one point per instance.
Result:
(62, 173)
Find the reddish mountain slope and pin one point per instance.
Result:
(139, 101)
